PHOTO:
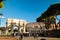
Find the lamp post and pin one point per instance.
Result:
(1, 16)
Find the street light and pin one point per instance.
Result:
(1, 16)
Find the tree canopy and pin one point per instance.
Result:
(53, 10)
(1, 3)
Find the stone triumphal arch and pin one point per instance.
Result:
(15, 25)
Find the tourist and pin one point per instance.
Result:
(21, 35)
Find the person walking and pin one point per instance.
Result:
(21, 36)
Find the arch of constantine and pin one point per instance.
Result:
(15, 24)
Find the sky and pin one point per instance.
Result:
(27, 10)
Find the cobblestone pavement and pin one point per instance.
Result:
(39, 38)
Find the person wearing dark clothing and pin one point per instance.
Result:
(35, 35)
(21, 36)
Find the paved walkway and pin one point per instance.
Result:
(39, 38)
(7, 38)
(26, 38)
